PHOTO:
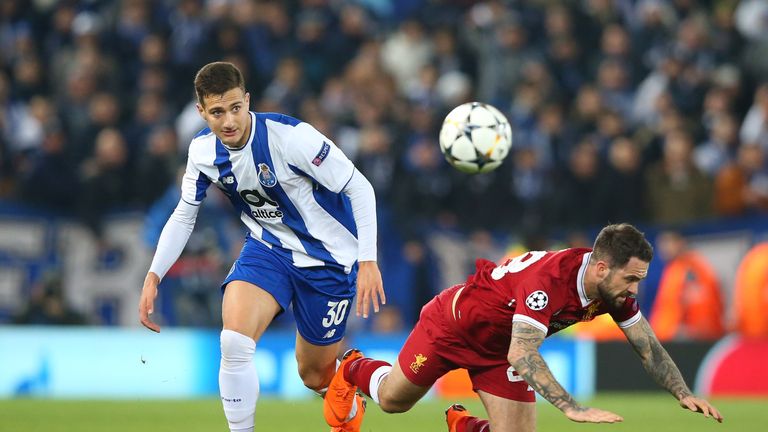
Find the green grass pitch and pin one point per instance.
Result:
(645, 412)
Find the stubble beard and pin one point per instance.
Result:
(611, 300)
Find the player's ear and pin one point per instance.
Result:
(247, 99)
(200, 110)
(602, 268)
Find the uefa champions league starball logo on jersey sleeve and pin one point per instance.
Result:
(266, 177)
(537, 300)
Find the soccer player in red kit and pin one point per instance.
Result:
(493, 325)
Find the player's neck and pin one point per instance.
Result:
(590, 282)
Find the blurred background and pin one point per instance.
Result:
(653, 112)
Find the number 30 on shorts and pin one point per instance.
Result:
(336, 313)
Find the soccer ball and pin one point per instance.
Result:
(475, 137)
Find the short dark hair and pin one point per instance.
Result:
(217, 78)
(617, 243)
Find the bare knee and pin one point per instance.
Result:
(315, 378)
(393, 405)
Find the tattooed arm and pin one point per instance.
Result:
(655, 359)
(524, 356)
(663, 370)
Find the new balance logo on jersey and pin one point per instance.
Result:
(329, 334)
(228, 180)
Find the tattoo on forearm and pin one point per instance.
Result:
(656, 360)
(530, 365)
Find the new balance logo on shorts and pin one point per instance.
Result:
(329, 334)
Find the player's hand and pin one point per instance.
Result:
(592, 415)
(700, 405)
(147, 301)
(370, 288)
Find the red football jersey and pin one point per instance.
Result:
(544, 289)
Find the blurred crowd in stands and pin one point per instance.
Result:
(643, 111)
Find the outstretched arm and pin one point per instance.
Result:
(524, 356)
(174, 237)
(663, 370)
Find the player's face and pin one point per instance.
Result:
(621, 283)
(227, 116)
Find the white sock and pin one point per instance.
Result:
(238, 381)
(376, 378)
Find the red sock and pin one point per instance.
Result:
(472, 424)
(359, 372)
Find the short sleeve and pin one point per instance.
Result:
(194, 184)
(628, 314)
(318, 157)
(535, 304)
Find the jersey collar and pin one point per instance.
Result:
(580, 280)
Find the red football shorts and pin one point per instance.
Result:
(433, 349)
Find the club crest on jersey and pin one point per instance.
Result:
(266, 177)
(322, 154)
(537, 300)
(419, 361)
(591, 310)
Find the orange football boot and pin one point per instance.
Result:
(354, 424)
(453, 414)
(340, 396)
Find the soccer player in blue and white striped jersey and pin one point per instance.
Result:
(311, 242)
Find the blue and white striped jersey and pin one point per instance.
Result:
(286, 183)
